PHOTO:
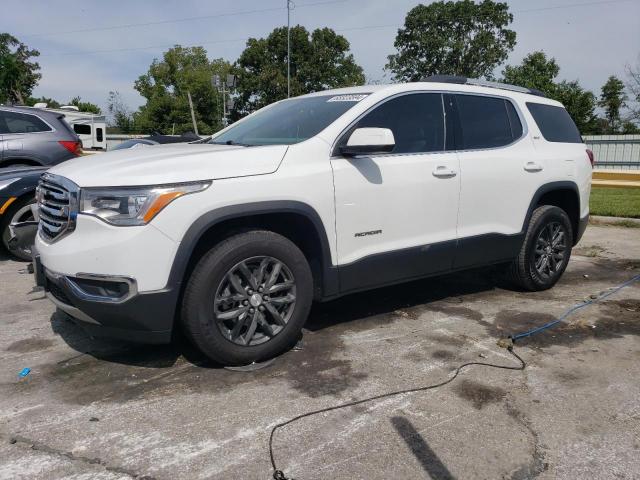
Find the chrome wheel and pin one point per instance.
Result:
(550, 247)
(255, 300)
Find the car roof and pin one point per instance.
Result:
(31, 110)
(393, 88)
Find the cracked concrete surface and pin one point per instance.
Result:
(101, 409)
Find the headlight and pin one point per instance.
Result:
(6, 183)
(135, 205)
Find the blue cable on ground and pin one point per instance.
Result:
(574, 309)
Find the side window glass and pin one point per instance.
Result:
(514, 120)
(416, 120)
(3, 123)
(555, 123)
(484, 122)
(82, 129)
(22, 123)
(99, 136)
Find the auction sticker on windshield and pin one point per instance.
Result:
(347, 98)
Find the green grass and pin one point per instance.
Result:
(615, 202)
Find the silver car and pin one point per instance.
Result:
(31, 136)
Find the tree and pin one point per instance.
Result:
(85, 106)
(454, 38)
(18, 75)
(121, 116)
(165, 86)
(633, 85)
(612, 100)
(580, 104)
(319, 60)
(536, 71)
(51, 103)
(629, 128)
(539, 72)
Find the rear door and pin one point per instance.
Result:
(26, 136)
(500, 172)
(396, 213)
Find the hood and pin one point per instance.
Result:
(21, 172)
(176, 163)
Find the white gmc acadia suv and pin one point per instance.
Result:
(308, 199)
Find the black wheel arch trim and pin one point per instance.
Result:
(214, 217)
(548, 188)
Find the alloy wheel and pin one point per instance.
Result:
(550, 250)
(255, 300)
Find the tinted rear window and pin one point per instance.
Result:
(555, 123)
(13, 122)
(486, 122)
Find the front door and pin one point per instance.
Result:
(396, 213)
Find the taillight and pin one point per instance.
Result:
(73, 147)
(591, 157)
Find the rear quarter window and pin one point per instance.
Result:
(555, 123)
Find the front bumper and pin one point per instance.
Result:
(139, 317)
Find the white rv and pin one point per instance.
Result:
(91, 128)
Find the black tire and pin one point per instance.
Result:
(203, 290)
(525, 270)
(18, 207)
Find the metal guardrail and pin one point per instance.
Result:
(617, 152)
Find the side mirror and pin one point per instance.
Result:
(367, 141)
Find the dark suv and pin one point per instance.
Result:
(30, 136)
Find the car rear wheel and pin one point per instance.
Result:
(546, 250)
(19, 211)
(248, 298)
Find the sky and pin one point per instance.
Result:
(87, 49)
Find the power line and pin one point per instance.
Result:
(585, 4)
(529, 10)
(348, 29)
(178, 20)
(149, 47)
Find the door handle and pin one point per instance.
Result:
(533, 167)
(442, 171)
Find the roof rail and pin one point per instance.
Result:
(482, 83)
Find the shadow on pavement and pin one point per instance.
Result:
(428, 459)
(354, 309)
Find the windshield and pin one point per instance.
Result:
(289, 121)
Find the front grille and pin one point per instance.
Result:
(57, 206)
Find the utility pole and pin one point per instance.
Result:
(289, 2)
(224, 106)
(193, 115)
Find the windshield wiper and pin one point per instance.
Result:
(232, 142)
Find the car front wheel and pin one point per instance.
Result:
(20, 211)
(248, 298)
